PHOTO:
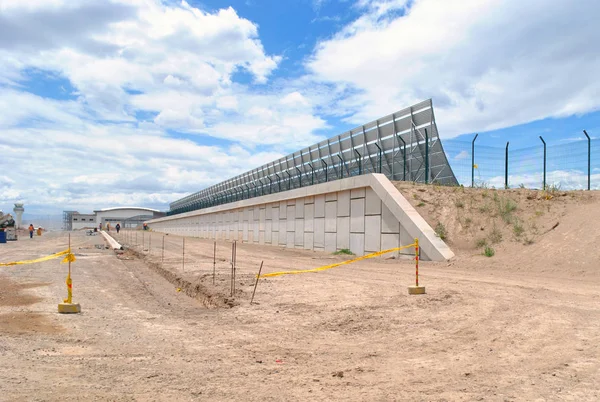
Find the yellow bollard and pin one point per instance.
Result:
(68, 307)
(416, 290)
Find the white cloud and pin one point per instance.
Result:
(461, 155)
(487, 64)
(294, 98)
(171, 64)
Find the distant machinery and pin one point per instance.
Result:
(6, 221)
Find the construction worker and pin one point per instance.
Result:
(31, 230)
(118, 227)
(107, 227)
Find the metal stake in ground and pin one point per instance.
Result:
(183, 258)
(256, 283)
(416, 290)
(231, 280)
(234, 263)
(214, 261)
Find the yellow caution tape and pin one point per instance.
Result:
(364, 257)
(69, 258)
(49, 257)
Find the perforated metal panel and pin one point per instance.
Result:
(404, 146)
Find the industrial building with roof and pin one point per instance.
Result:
(127, 217)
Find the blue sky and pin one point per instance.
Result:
(131, 102)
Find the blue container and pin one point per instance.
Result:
(2, 236)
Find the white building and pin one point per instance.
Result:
(127, 217)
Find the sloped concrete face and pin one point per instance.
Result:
(363, 213)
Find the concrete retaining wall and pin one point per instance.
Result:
(362, 213)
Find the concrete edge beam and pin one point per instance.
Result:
(111, 242)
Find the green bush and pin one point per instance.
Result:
(440, 230)
(489, 252)
(343, 251)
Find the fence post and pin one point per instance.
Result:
(359, 162)
(426, 157)
(473, 161)
(589, 156)
(341, 167)
(379, 148)
(326, 168)
(404, 157)
(312, 174)
(506, 167)
(544, 142)
(299, 176)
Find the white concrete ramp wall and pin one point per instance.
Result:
(362, 213)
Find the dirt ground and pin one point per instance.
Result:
(522, 325)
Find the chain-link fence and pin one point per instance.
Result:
(567, 165)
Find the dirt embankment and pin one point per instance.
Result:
(516, 222)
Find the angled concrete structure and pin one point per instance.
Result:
(364, 213)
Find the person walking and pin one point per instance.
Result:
(31, 230)
(118, 227)
(107, 227)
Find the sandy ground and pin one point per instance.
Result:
(497, 329)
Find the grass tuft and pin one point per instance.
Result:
(518, 228)
(495, 235)
(440, 230)
(489, 251)
(344, 251)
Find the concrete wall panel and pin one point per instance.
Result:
(357, 243)
(357, 215)
(330, 242)
(319, 232)
(343, 203)
(343, 232)
(331, 216)
(372, 233)
(320, 206)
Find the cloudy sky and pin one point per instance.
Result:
(140, 102)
